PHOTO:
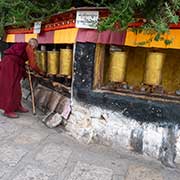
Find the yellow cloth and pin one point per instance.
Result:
(174, 35)
(65, 36)
(130, 38)
(133, 39)
(10, 38)
(29, 36)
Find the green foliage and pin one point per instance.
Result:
(24, 12)
(156, 15)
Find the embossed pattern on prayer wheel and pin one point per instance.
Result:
(42, 60)
(53, 62)
(66, 56)
(153, 70)
(117, 66)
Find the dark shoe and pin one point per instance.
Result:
(22, 110)
(11, 115)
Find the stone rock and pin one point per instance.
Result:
(114, 129)
(73, 128)
(53, 101)
(125, 86)
(25, 93)
(10, 154)
(53, 120)
(143, 89)
(43, 100)
(30, 137)
(33, 173)
(54, 156)
(136, 140)
(95, 112)
(152, 140)
(7, 130)
(117, 177)
(167, 152)
(119, 133)
(61, 104)
(66, 109)
(136, 172)
(42, 97)
(131, 87)
(26, 122)
(4, 170)
(37, 91)
(178, 145)
(178, 92)
(104, 116)
(85, 171)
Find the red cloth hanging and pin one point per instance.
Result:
(105, 37)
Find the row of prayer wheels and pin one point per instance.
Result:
(55, 62)
(153, 69)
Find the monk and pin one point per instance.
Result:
(12, 70)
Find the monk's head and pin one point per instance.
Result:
(33, 43)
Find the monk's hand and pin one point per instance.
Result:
(27, 67)
(41, 73)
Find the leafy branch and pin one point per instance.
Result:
(25, 12)
(155, 15)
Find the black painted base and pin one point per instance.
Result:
(140, 109)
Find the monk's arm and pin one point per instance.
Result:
(32, 59)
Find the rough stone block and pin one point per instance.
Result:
(84, 171)
(36, 92)
(53, 120)
(10, 154)
(30, 136)
(118, 177)
(54, 156)
(62, 102)
(152, 140)
(33, 173)
(4, 170)
(167, 152)
(116, 130)
(43, 99)
(53, 101)
(136, 172)
(7, 130)
(136, 140)
(178, 145)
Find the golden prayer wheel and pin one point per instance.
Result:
(66, 56)
(153, 71)
(117, 66)
(42, 60)
(52, 62)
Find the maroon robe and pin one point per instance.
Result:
(12, 70)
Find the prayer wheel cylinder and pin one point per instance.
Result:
(117, 66)
(66, 56)
(52, 62)
(42, 60)
(153, 70)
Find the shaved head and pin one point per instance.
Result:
(33, 43)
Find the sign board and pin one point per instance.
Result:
(37, 27)
(87, 19)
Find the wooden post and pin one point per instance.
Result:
(99, 66)
(32, 92)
